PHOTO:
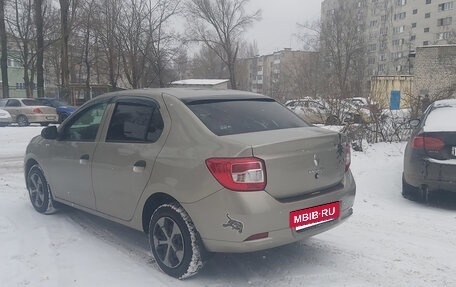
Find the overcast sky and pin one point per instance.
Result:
(275, 31)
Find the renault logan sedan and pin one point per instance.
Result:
(199, 171)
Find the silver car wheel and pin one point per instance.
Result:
(39, 192)
(168, 242)
(36, 190)
(22, 121)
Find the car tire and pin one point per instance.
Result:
(22, 121)
(39, 192)
(410, 192)
(174, 241)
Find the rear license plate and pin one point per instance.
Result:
(453, 150)
(311, 216)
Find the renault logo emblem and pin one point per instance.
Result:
(316, 160)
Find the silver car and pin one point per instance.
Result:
(5, 118)
(199, 171)
(25, 111)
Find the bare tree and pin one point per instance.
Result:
(4, 56)
(39, 21)
(343, 50)
(21, 27)
(207, 65)
(219, 24)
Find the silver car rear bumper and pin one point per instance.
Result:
(250, 213)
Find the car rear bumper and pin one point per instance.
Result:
(42, 118)
(433, 174)
(229, 218)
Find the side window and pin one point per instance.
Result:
(134, 122)
(85, 126)
(13, 103)
(2, 103)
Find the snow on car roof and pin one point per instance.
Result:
(442, 118)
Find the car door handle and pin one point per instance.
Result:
(84, 159)
(139, 166)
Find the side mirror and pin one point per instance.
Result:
(414, 123)
(49, 133)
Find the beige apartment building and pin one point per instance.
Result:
(283, 75)
(393, 29)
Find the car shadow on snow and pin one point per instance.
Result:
(438, 199)
(443, 199)
(237, 268)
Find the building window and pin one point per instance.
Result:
(444, 21)
(413, 38)
(399, 30)
(399, 16)
(444, 35)
(446, 6)
(396, 55)
(401, 2)
(372, 47)
(413, 25)
(383, 18)
(415, 11)
(398, 68)
(425, 43)
(428, 1)
(374, 23)
(426, 30)
(382, 57)
(371, 61)
(398, 42)
(383, 31)
(427, 15)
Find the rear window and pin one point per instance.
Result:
(227, 117)
(30, 102)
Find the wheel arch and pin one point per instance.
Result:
(152, 203)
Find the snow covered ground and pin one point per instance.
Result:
(389, 241)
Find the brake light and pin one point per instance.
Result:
(37, 111)
(238, 174)
(347, 156)
(427, 143)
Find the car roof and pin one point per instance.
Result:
(445, 103)
(188, 94)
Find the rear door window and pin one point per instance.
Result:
(135, 122)
(227, 117)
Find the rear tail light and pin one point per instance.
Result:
(427, 143)
(239, 174)
(347, 155)
(37, 111)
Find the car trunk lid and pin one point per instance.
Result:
(298, 161)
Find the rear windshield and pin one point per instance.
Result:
(227, 117)
(30, 102)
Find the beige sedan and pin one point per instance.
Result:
(197, 170)
(25, 111)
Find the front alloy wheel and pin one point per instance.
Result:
(38, 190)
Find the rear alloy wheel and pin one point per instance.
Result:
(22, 121)
(39, 192)
(174, 241)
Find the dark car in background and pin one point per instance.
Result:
(430, 154)
(63, 108)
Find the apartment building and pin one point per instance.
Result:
(282, 75)
(393, 29)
